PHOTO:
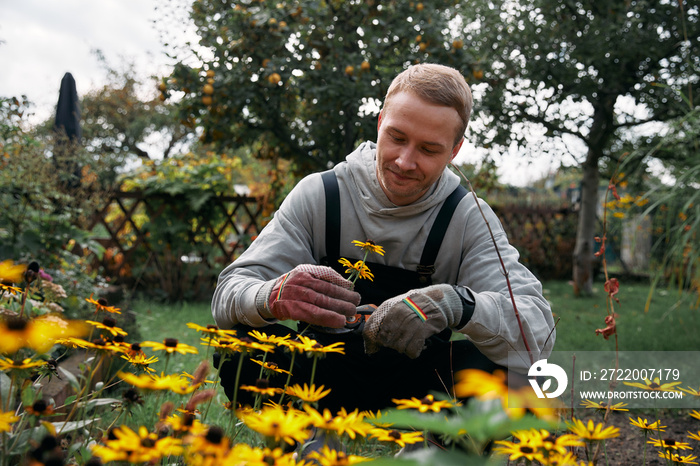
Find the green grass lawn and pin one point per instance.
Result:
(672, 322)
(158, 321)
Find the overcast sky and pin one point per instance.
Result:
(41, 40)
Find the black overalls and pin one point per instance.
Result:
(358, 380)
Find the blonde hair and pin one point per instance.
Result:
(437, 84)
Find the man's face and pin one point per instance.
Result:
(415, 143)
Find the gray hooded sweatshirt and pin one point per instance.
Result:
(467, 257)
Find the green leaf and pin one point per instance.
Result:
(70, 426)
(72, 379)
(21, 439)
(28, 395)
(5, 383)
(31, 240)
(198, 199)
(481, 426)
(99, 402)
(433, 456)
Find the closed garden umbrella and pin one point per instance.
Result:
(68, 131)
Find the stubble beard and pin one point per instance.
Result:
(413, 189)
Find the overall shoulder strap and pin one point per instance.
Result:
(432, 245)
(330, 186)
(437, 233)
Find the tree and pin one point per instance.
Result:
(120, 116)
(569, 67)
(303, 79)
(122, 119)
(678, 206)
(41, 215)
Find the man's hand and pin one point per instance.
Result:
(311, 293)
(405, 322)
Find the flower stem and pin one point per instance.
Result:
(313, 370)
(504, 270)
(235, 386)
(289, 375)
(223, 359)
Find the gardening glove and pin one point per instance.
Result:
(311, 293)
(405, 322)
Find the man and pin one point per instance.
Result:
(440, 272)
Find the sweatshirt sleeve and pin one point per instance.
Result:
(284, 243)
(494, 326)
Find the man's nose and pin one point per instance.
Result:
(407, 159)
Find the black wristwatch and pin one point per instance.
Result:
(468, 303)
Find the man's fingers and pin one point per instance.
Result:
(403, 331)
(304, 294)
(306, 312)
(329, 289)
(415, 347)
(329, 275)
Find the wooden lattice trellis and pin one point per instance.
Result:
(127, 226)
(129, 223)
(544, 236)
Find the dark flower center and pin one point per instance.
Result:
(427, 400)
(268, 459)
(132, 396)
(669, 441)
(48, 443)
(215, 435)
(135, 347)
(395, 434)
(109, 322)
(525, 449)
(170, 342)
(118, 339)
(32, 272)
(102, 301)
(262, 383)
(16, 324)
(148, 442)
(39, 406)
(654, 385)
(212, 327)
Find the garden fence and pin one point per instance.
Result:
(545, 237)
(164, 242)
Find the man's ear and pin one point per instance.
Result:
(379, 119)
(455, 149)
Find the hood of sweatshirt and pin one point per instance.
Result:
(360, 173)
